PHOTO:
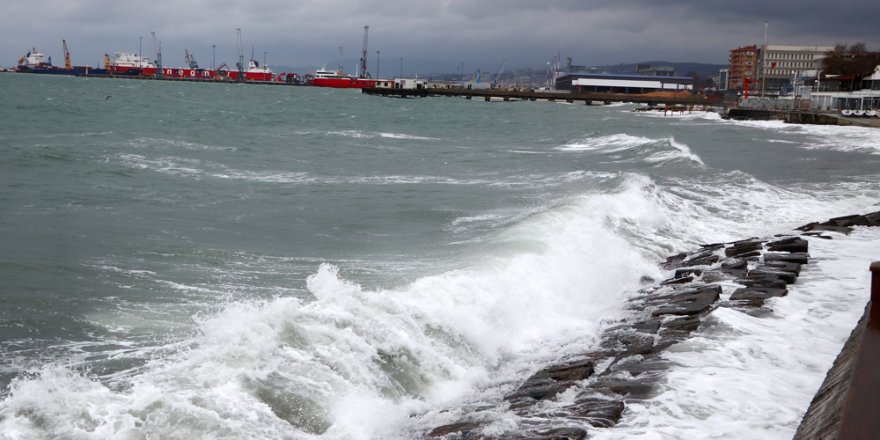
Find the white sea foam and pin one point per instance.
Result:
(607, 144)
(360, 134)
(637, 148)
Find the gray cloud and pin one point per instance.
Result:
(438, 35)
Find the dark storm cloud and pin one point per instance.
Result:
(438, 34)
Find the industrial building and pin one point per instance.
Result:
(609, 83)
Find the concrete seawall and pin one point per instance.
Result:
(847, 405)
(800, 117)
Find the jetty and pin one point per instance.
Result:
(589, 98)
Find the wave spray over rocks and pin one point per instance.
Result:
(595, 388)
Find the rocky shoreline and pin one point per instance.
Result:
(628, 362)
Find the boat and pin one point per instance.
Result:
(330, 78)
(126, 63)
(36, 62)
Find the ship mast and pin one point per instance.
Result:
(363, 72)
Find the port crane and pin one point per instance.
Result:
(240, 55)
(157, 47)
(190, 60)
(498, 74)
(363, 73)
(67, 64)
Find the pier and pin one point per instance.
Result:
(589, 98)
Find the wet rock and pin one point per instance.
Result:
(687, 323)
(744, 247)
(791, 244)
(677, 280)
(630, 388)
(794, 257)
(757, 293)
(598, 412)
(767, 281)
(784, 266)
(628, 344)
(578, 370)
(681, 273)
(690, 303)
(560, 434)
(873, 218)
(849, 220)
(650, 326)
(674, 261)
(845, 230)
(788, 277)
(539, 389)
(461, 427)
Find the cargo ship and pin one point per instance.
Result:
(130, 64)
(330, 78)
(36, 62)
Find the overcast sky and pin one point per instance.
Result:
(430, 35)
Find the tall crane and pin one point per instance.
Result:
(157, 47)
(67, 64)
(363, 72)
(240, 55)
(190, 60)
(498, 74)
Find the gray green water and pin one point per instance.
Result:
(147, 227)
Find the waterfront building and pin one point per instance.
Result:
(785, 65)
(743, 67)
(867, 97)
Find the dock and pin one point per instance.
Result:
(589, 98)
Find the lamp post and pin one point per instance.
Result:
(819, 81)
(401, 67)
(213, 55)
(378, 75)
(264, 59)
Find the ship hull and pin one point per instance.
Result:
(73, 71)
(344, 83)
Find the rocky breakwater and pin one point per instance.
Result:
(564, 400)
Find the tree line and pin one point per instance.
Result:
(855, 60)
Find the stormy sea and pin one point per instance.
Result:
(190, 260)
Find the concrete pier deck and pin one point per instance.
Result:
(671, 99)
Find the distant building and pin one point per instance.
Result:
(722, 79)
(608, 83)
(743, 67)
(647, 70)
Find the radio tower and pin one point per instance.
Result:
(363, 73)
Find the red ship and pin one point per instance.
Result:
(329, 78)
(130, 64)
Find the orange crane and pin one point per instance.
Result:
(67, 64)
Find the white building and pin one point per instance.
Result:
(867, 98)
